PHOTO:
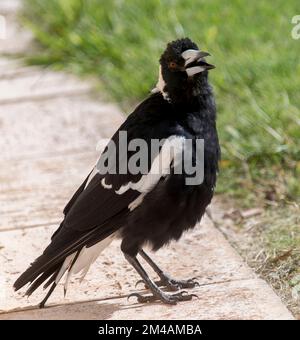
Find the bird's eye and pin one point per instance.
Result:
(172, 65)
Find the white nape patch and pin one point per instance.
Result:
(190, 55)
(193, 70)
(105, 186)
(171, 151)
(86, 257)
(161, 85)
(91, 176)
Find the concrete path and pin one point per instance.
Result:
(49, 127)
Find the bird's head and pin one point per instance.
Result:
(182, 66)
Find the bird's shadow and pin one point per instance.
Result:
(90, 310)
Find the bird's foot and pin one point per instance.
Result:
(170, 299)
(172, 284)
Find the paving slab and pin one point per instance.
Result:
(58, 125)
(17, 38)
(204, 252)
(14, 69)
(9, 64)
(39, 86)
(33, 192)
(10, 6)
(245, 300)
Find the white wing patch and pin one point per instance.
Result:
(105, 186)
(85, 259)
(171, 152)
(92, 175)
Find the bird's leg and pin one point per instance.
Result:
(158, 294)
(165, 279)
(42, 303)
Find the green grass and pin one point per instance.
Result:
(256, 82)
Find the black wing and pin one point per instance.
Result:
(93, 213)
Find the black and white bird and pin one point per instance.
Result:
(142, 208)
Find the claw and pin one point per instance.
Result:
(140, 281)
(133, 295)
(183, 292)
(170, 299)
(193, 280)
(185, 296)
(174, 285)
(141, 298)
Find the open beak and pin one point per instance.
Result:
(201, 66)
(192, 55)
(194, 62)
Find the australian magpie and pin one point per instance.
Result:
(143, 207)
